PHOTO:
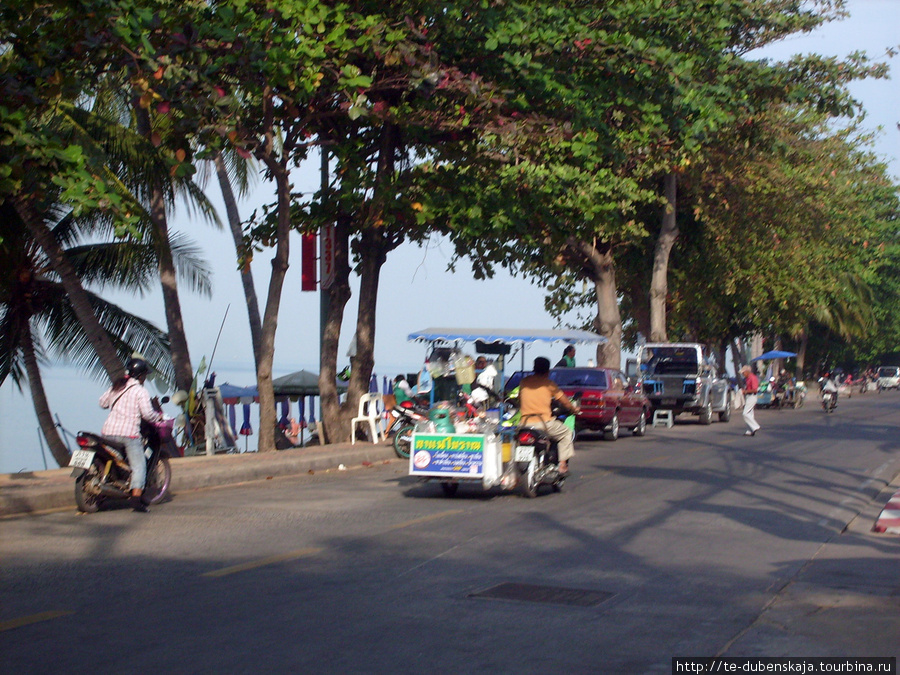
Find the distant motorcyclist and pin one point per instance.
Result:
(536, 395)
(827, 383)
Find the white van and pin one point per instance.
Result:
(889, 377)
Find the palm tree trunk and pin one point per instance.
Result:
(41, 407)
(237, 233)
(659, 288)
(181, 358)
(78, 297)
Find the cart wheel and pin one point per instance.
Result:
(449, 488)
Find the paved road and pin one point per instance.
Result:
(691, 541)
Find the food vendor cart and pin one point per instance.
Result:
(453, 449)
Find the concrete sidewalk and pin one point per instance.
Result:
(32, 492)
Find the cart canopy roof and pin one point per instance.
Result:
(507, 335)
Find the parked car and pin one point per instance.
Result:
(607, 402)
(889, 377)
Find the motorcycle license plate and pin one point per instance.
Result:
(668, 401)
(524, 453)
(82, 459)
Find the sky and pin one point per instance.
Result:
(416, 290)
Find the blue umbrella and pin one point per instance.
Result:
(386, 387)
(373, 384)
(774, 355)
(285, 411)
(302, 418)
(246, 429)
(232, 417)
(312, 409)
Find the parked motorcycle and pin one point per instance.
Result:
(829, 401)
(406, 416)
(102, 473)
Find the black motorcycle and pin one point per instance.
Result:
(537, 459)
(829, 401)
(102, 472)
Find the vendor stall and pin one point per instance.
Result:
(454, 445)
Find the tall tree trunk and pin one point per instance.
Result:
(78, 297)
(640, 305)
(373, 248)
(597, 261)
(41, 407)
(659, 285)
(374, 245)
(237, 233)
(801, 353)
(737, 354)
(721, 354)
(178, 347)
(267, 414)
(335, 422)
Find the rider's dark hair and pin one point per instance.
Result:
(541, 365)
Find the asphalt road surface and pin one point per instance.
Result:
(691, 541)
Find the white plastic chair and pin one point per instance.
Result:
(371, 407)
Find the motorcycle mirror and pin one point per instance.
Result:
(164, 399)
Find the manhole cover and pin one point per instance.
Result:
(553, 595)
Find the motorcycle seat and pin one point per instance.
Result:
(117, 445)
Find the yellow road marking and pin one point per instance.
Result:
(425, 519)
(34, 618)
(262, 562)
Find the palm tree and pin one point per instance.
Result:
(131, 141)
(232, 169)
(37, 317)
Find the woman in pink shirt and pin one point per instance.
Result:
(129, 402)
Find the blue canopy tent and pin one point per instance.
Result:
(498, 340)
(774, 355)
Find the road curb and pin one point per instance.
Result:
(889, 520)
(38, 491)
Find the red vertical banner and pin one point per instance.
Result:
(308, 262)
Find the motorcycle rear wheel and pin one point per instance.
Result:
(403, 440)
(529, 479)
(86, 500)
(158, 481)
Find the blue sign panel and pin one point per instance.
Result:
(446, 455)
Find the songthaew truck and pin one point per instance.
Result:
(681, 377)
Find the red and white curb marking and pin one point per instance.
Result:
(889, 520)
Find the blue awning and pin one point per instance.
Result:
(233, 394)
(507, 335)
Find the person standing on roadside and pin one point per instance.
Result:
(129, 402)
(751, 386)
(568, 358)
